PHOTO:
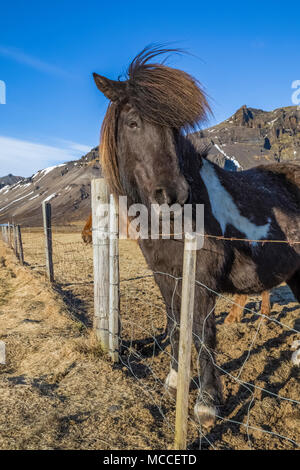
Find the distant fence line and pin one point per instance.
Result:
(11, 234)
(107, 288)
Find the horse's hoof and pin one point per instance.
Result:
(171, 382)
(172, 391)
(266, 313)
(205, 415)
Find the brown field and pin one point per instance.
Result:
(58, 391)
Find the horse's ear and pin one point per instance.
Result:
(112, 89)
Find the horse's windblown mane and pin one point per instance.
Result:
(164, 95)
(161, 94)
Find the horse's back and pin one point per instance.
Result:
(277, 184)
(289, 170)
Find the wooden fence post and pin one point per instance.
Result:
(2, 353)
(19, 237)
(9, 235)
(114, 288)
(48, 239)
(15, 236)
(100, 232)
(6, 234)
(185, 340)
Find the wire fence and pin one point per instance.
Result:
(72, 259)
(261, 407)
(259, 400)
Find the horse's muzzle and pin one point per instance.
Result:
(171, 194)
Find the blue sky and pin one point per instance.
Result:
(246, 53)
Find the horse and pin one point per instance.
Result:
(239, 300)
(147, 157)
(86, 233)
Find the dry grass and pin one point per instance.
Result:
(58, 391)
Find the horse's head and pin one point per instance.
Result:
(141, 134)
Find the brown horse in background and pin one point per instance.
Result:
(240, 300)
(86, 233)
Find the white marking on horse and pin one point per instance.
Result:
(224, 208)
(171, 380)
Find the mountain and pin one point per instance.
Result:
(9, 180)
(67, 186)
(253, 136)
(248, 138)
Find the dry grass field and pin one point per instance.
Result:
(58, 391)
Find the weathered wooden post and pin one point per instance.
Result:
(9, 235)
(100, 232)
(114, 288)
(15, 237)
(6, 234)
(20, 244)
(2, 353)
(185, 340)
(48, 239)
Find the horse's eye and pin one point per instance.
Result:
(133, 125)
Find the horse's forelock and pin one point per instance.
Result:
(165, 95)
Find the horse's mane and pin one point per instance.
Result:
(162, 95)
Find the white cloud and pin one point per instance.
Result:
(19, 56)
(75, 146)
(23, 158)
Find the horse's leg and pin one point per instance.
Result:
(294, 284)
(237, 308)
(204, 329)
(173, 333)
(171, 293)
(265, 303)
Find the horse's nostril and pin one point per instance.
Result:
(170, 196)
(160, 196)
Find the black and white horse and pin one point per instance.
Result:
(146, 156)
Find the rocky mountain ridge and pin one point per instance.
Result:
(253, 136)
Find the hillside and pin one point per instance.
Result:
(248, 138)
(67, 186)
